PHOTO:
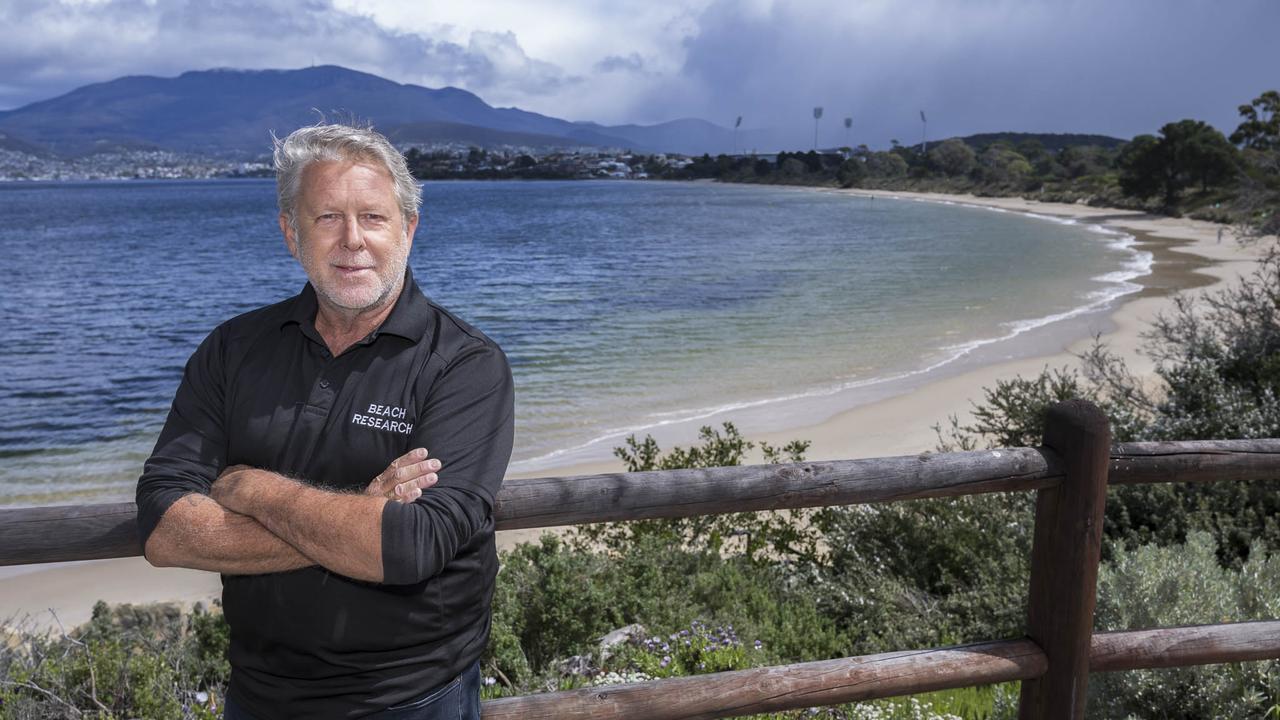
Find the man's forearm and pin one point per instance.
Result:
(196, 532)
(341, 532)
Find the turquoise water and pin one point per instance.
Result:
(623, 306)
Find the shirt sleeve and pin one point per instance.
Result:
(468, 423)
(191, 449)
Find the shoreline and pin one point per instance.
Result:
(1187, 258)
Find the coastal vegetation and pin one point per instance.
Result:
(1188, 168)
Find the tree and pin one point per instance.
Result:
(1202, 152)
(1188, 152)
(953, 157)
(1142, 169)
(851, 172)
(1260, 129)
(1001, 163)
(886, 165)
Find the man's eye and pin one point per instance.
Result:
(328, 217)
(374, 217)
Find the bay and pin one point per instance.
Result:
(623, 306)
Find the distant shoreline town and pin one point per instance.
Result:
(429, 162)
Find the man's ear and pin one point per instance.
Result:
(290, 237)
(410, 228)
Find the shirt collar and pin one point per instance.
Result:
(409, 317)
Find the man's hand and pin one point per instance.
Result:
(406, 477)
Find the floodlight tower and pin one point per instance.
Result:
(737, 123)
(817, 115)
(848, 123)
(924, 134)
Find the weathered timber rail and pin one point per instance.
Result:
(94, 532)
(1069, 474)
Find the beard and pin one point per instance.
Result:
(371, 290)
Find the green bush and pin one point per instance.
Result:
(925, 573)
(759, 536)
(553, 600)
(1186, 585)
(695, 650)
(150, 662)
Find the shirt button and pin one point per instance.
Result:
(324, 384)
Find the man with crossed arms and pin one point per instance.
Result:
(294, 461)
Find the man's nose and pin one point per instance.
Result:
(352, 236)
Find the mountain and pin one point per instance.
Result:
(234, 111)
(16, 144)
(688, 136)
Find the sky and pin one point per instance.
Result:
(1114, 67)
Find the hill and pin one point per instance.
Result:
(234, 111)
(1052, 142)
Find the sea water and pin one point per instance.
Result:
(624, 307)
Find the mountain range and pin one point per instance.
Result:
(234, 112)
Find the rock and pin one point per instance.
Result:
(617, 637)
(576, 665)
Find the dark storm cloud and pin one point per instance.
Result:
(47, 48)
(1084, 66)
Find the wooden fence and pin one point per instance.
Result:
(1069, 474)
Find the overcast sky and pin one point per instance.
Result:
(1117, 67)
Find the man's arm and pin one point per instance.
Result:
(196, 532)
(202, 533)
(341, 532)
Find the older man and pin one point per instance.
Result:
(294, 461)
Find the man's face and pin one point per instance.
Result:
(352, 239)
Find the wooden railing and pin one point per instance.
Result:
(1069, 473)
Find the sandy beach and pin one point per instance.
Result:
(1189, 255)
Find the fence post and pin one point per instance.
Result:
(1064, 561)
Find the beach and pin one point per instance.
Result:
(1188, 255)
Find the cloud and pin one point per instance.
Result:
(47, 48)
(987, 65)
(975, 66)
(617, 63)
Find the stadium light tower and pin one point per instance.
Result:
(736, 124)
(817, 115)
(924, 134)
(848, 123)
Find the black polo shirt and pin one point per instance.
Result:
(263, 390)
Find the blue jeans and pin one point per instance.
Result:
(458, 699)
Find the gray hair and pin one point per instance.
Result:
(335, 143)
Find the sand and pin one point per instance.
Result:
(1189, 256)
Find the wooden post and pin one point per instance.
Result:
(1064, 561)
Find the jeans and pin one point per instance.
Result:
(458, 699)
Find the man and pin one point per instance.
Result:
(294, 461)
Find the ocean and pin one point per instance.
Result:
(624, 307)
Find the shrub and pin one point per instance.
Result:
(759, 536)
(1183, 585)
(924, 573)
(150, 661)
